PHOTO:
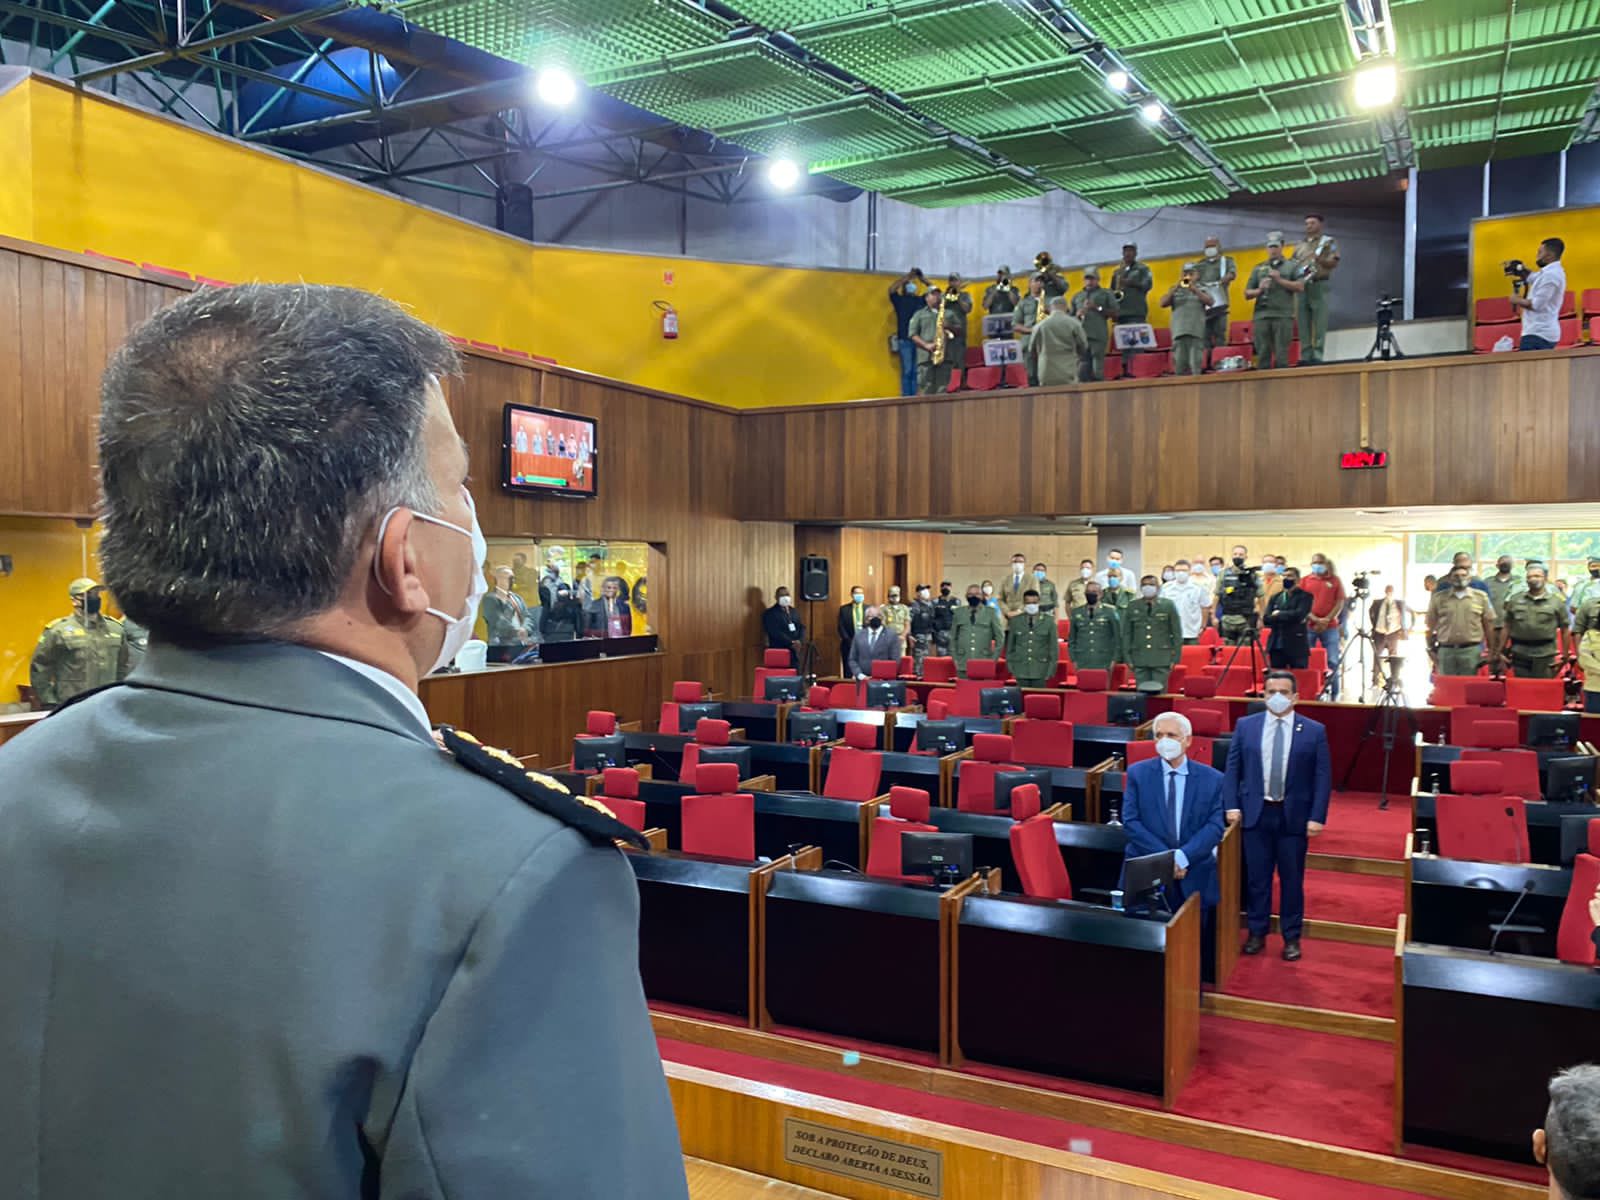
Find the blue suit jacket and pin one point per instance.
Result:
(1307, 776)
(1148, 822)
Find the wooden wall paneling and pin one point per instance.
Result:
(14, 449)
(1583, 432)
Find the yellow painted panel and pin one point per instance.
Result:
(46, 555)
(16, 186)
(1496, 239)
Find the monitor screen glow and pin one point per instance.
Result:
(550, 453)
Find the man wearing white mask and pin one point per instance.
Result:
(1279, 781)
(1012, 587)
(1215, 273)
(1190, 593)
(245, 895)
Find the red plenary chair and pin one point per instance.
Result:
(991, 754)
(1175, 680)
(1163, 337)
(983, 668)
(908, 813)
(1192, 708)
(598, 723)
(1207, 724)
(1484, 693)
(1150, 364)
(1200, 750)
(1317, 660)
(683, 692)
(1241, 333)
(941, 669)
(1485, 337)
(1449, 691)
(1040, 738)
(1569, 331)
(1575, 934)
(1495, 310)
(1087, 705)
(1537, 695)
(1236, 680)
(983, 379)
(855, 768)
(1490, 728)
(773, 662)
(1591, 302)
(1478, 821)
(1196, 658)
(885, 669)
(1308, 682)
(708, 731)
(1519, 770)
(1210, 637)
(845, 695)
(1038, 858)
(819, 699)
(1569, 304)
(718, 820)
(938, 705)
(619, 791)
(1121, 676)
(1025, 801)
(1200, 687)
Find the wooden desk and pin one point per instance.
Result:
(784, 820)
(1136, 1027)
(14, 724)
(1544, 822)
(905, 727)
(1454, 902)
(763, 720)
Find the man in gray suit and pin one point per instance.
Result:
(261, 936)
(872, 644)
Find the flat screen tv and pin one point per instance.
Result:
(550, 453)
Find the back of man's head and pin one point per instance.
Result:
(1569, 1143)
(250, 439)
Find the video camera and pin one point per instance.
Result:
(1360, 586)
(1238, 593)
(1517, 270)
(1385, 313)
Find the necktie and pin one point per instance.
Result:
(1172, 800)
(1275, 783)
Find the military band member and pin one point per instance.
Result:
(1316, 257)
(1059, 346)
(1216, 274)
(1032, 647)
(1535, 629)
(78, 652)
(1130, 287)
(932, 378)
(1001, 296)
(1272, 285)
(1094, 306)
(1030, 311)
(1094, 637)
(1187, 300)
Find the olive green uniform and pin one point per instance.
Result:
(1581, 595)
(75, 654)
(1093, 308)
(1501, 590)
(1531, 626)
(1077, 594)
(1314, 300)
(1027, 316)
(1059, 347)
(1001, 298)
(1459, 627)
(1274, 313)
(898, 618)
(1209, 275)
(1055, 284)
(956, 310)
(1152, 639)
(1133, 306)
(1235, 625)
(1032, 649)
(1188, 331)
(1116, 597)
(135, 642)
(1586, 632)
(976, 633)
(1049, 597)
(1094, 639)
(931, 378)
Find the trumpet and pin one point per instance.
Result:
(1042, 261)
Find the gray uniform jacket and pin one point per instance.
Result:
(262, 938)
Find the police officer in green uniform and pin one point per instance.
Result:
(1460, 624)
(975, 631)
(1273, 285)
(1587, 590)
(1032, 648)
(897, 616)
(1536, 628)
(1093, 307)
(1237, 589)
(1502, 586)
(1188, 300)
(1049, 597)
(1130, 288)
(923, 329)
(1029, 312)
(1316, 257)
(1215, 275)
(1094, 638)
(79, 652)
(1152, 636)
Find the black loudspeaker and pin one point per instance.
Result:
(813, 578)
(513, 210)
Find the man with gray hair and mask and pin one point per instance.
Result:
(1215, 273)
(1569, 1143)
(263, 935)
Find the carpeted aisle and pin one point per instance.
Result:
(1358, 828)
(1351, 899)
(1335, 975)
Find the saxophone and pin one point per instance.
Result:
(941, 334)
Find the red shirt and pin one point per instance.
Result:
(1327, 596)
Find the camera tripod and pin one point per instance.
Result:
(1254, 642)
(1392, 711)
(1384, 345)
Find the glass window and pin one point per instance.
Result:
(538, 567)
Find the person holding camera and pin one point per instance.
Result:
(907, 301)
(1287, 615)
(1001, 296)
(1538, 294)
(1237, 588)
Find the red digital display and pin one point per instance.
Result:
(1363, 460)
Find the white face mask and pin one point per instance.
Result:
(785, 601)
(1016, 568)
(1169, 748)
(1148, 591)
(1279, 703)
(1086, 573)
(1167, 576)
(988, 590)
(923, 594)
(457, 629)
(1212, 251)
(1031, 609)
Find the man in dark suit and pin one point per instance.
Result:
(1289, 644)
(873, 644)
(1278, 783)
(783, 627)
(1172, 803)
(852, 619)
(609, 616)
(1390, 619)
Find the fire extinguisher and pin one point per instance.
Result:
(669, 319)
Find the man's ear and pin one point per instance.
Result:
(395, 566)
(1540, 1149)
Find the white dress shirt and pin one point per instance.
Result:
(1190, 601)
(1546, 287)
(1389, 616)
(1180, 772)
(1268, 734)
(389, 684)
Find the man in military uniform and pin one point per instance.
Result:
(944, 613)
(1032, 648)
(1273, 285)
(1058, 346)
(957, 308)
(1586, 634)
(1501, 586)
(1589, 587)
(1187, 300)
(1078, 588)
(1049, 597)
(976, 631)
(1152, 636)
(896, 616)
(79, 652)
(135, 642)
(1130, 287)
(924, 620)
(934, 378)
(1460, 625)
(273, 937)
(1055, 283)
(1001, 296)
(1030, 311)
(1237, 589)
(1215, 275)
(1116, 592)
(1094, 637)
(1535, 629)
(1316, 257)
(1093, 307)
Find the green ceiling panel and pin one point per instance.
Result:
(1532, 110)
(1020, 100)
(733, 83)
(787, 14)
(845, 130)
(1312, 103)
(1360, 166)
(1554, 63)
(1125, 25)
(1532, 141)
(1536, 20)
(1192, 191)
(1164, 166)
(982, 189)
(1278, 178)
(1231, 117)
(1088, 142)
(590, 39)
(932, 164)
(1431, 29)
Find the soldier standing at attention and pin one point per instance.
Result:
(1116, 594)
(1535, 629)
(896, 616)
(1316, 257)
(1049, 599)
(923, 329)
(924, 618)
(1025, 320)
(1187, 300)
(1093, 307)
(976, 631)
(1130, 287)
(1152, 636)
(1077, 590)
(1215, 276)
(1032, 649)
(1502, 585)
(78, 652)
(944, 613)
(1460, 625)
(1094, 639)
(1586, 633)
(1272, 286)
(1590, 587)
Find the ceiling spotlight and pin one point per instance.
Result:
(556, 87)
(1118, 80)
(1375, 85)
(783, 174)
(1151, 111)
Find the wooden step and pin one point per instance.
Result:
(1318, 1020)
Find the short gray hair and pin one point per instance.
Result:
(249, 439)
(1058, 304)
(1185, 726)
(1572, 1131)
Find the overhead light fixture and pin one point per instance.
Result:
(783, 174)
(556, 87)
(1118, 80)
(1152, 111)
(1375, 85)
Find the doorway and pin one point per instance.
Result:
(894, 575)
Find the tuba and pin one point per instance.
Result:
(941, 335)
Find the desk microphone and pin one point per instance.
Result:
(661, 761)
(1527, 889)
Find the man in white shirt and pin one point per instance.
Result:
(1541, 302)
(1191, 596)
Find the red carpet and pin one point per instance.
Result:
(1201, 1165)
(1336, 975)
(1356, 827)
(1351, 899)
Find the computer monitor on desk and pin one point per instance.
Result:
(1000, 701)
(812, 729)
(690, 715)
(945, 856)
(885, 693)
(598, 753)
(742, 756)
(1575, 836)
(1570, 779)
(1553, 731)
(1125, 709)
(941, 737)
(1006, 782)
(778, 687)
(1145, 879)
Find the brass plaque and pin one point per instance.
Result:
(914, 1170)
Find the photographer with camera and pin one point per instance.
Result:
(905, 294)
(1237, 588)
(1002, 295)
(1538, 294)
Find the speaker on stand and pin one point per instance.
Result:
(813, 587)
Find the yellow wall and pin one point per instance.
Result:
(16, 187)
(1496, 239)
(46, 555)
